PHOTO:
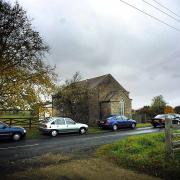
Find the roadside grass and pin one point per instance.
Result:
(95, 130)
(82, 169)
(142, 125)
(98, 130)
(33, 133)
(145, 153)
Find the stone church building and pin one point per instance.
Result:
(108, 98)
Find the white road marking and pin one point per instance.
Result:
(14, 147)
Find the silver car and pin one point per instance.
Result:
(55, 125)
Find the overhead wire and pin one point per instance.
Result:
(157, 19)
(166, 8)
(161, 10)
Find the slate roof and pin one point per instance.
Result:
(94, 82)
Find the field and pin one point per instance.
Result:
(145, 153)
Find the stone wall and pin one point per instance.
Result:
(105, 109)
(115, 104)
(94, 108)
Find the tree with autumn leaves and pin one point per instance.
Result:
(24, 75)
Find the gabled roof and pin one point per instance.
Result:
(96, 81)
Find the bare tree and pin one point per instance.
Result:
(72, 99)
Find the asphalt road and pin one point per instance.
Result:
(13, 151)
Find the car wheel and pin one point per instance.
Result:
(133, 125)
(54, 133)
(115, 127)
(82, 131)
(16, 137)
(154, 125)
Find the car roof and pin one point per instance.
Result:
(52, 117)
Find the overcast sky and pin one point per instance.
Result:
(98, 37)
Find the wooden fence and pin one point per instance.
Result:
(171, 144)
(24, 118)
(24, 122)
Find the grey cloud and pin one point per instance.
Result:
(100, 37)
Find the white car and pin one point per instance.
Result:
(55, 125)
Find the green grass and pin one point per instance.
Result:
(33, 133)
(144, 153)
(95, 130)
(99, 130)
(16, 115)
(142, 125)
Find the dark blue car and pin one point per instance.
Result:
(117, 121)
(10, 132)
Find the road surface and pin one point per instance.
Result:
(13, 151)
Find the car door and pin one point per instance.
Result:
(125, 121)
(4, 131)
(122, 122)
(60, 125)
(71, 125)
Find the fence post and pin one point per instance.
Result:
(30, 122)
(168, 138)
(10, 122)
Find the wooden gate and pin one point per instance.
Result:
(172, 138)
(26, 119)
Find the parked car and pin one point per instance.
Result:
(117, 121)
(159, 120)
(55, 125)
(11, 132)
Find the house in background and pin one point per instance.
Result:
(46, 110)
(108, 98)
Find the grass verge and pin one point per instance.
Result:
(96, 130)
(144, 153)
(33, 133)
(142, 125)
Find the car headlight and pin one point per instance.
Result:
(24, 130)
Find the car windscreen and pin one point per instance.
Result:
(3, 125)
(124, 117)
(177, 115)
(110, 118)
(160, 116)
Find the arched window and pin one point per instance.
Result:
(122, 107)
